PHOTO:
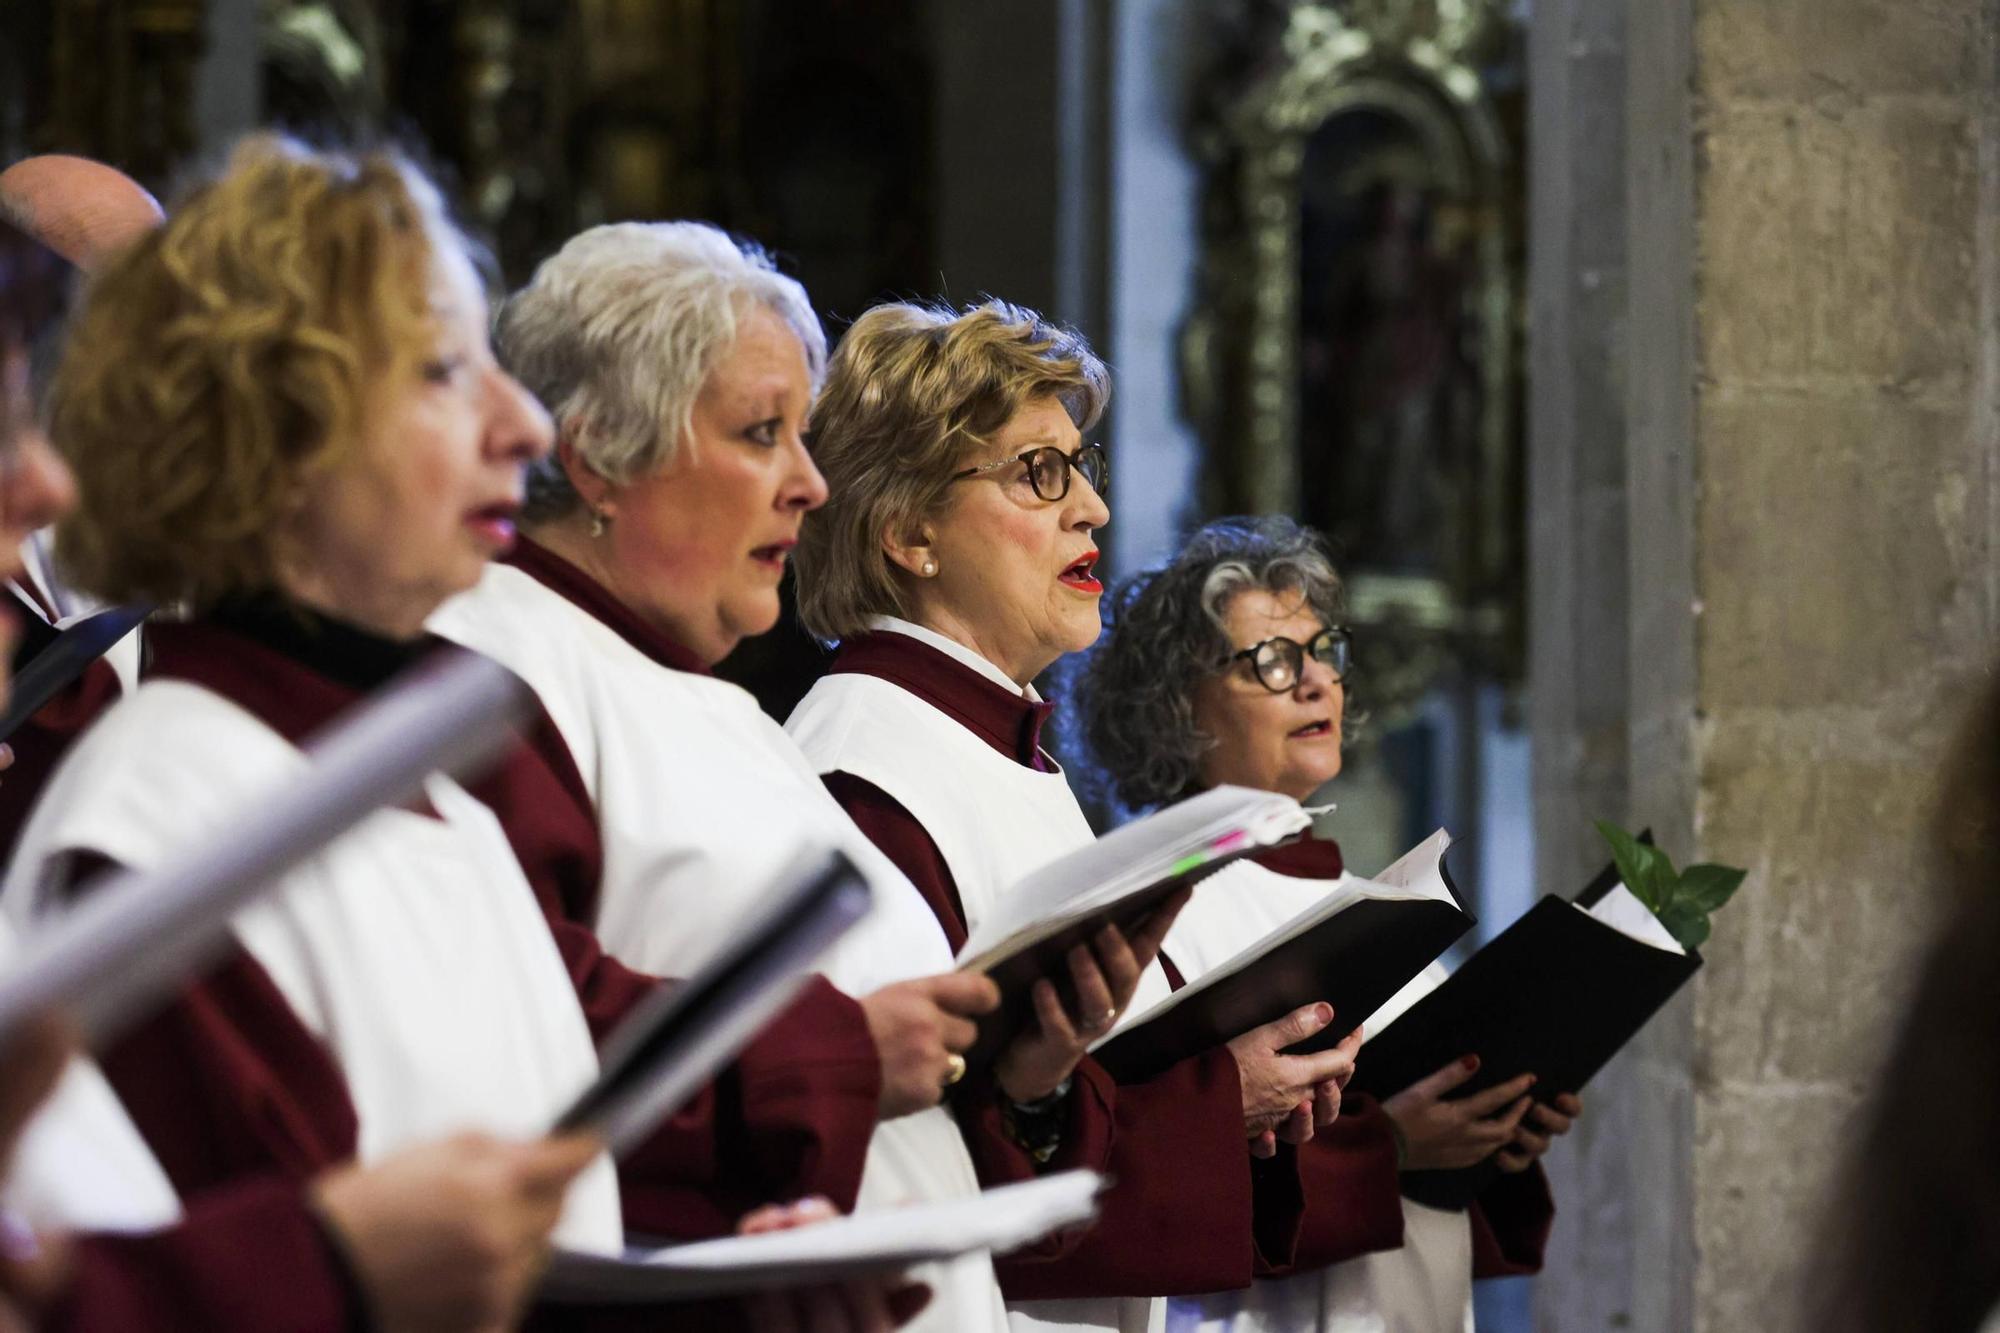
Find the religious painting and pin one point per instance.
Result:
(1353, 358)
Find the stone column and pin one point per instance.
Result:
(1812, 368)
(1843, 452)
(1579, 700)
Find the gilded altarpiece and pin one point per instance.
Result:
(808, 127)
(1354, 354)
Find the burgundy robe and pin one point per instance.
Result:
(1156, 1139)
(226, 1081)
(1352, 1186)
(249, 1258)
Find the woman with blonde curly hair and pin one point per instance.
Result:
(954, 563)
(286, 420)
(446, 1235)
(283, 417)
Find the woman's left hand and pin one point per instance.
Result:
(1538, 1130)
(1104, 975)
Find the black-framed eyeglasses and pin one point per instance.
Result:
(1049, 469)
(1279, 662)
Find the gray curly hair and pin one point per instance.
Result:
(617, 332)
(1164, 633)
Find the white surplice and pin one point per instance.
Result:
(700, 800)
(81, 1164)
(1424, 1287)
(993, 820)
(412, 946)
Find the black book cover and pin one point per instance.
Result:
(668, 1046)
(1355, 960)
(1556, 994)
(62, 660)
(1017, 974)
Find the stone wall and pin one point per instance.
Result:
(1810, 370)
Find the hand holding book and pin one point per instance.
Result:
(1103, 974)
(1287, 1096)
(1440, 1133)
(1538, 1130)
(1124, 879)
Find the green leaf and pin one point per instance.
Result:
(1629, 855)
(1709, 886)
(1657, 870)
(1687, 924)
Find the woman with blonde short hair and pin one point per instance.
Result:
(954, 563)
(1228, 664)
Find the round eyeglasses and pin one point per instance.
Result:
(1049, 469)
(1279, 662)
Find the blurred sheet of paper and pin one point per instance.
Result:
(132, 940)
(1000, 1219)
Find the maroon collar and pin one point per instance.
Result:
(559, 576)
(1011, 723)
(1308, 858)
(291, 669)
(286, 695)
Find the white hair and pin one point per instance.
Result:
(617, 332)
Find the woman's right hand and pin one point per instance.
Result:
(1281, 1092)
(1103, 977)
(858, 1305)
(452, 1236)
(1440, 1135)
(918, 1027)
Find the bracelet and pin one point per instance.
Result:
(1043, 1104)
(1035, 1127)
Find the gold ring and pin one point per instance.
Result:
(954, 1068)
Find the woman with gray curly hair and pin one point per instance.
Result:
(1229, 664)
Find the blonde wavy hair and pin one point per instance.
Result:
(230, 355)
(912, 392)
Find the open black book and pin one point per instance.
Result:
(1120, 878)
(675, 1042)
(63, 660)
(1355, 949)
(1556, 994)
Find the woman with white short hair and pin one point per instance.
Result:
(680, 368)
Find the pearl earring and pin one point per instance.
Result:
(930, 568)
(597, 523)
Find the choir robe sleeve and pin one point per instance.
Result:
(1187, 1214)
(792, 1116)
(225, 1081)
(249, 1258)
(1510, 1220)
(1352, 1187)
